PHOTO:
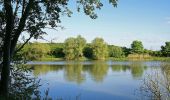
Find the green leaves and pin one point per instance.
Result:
(137, 47)
(73, 48)
(35, 51)
(89, 6)
(115, 51)
(166, 49)
(100, 49)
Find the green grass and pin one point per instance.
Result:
(118, 59)
(50, 58)
(147, 59)
(160, 58)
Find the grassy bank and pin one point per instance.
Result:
(111, 58)
(142, 59)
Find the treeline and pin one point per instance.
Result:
(77, 49)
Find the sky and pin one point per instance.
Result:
(144, 20)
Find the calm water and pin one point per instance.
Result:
(93, 80)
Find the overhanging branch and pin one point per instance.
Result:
(24, 43)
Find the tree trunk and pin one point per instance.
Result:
(6, 49)
(6, 67)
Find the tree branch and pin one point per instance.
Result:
(23, 6)
(21, 25)
(16, 8)
(24, 43)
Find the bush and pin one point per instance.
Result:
(35, 51)
(99, 48)
(115, 51)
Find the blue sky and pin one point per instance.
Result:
(145, 20)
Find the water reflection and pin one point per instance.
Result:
(104, 80)
(44, 69)
(74, 72)
(137, 69)
(119, 68)
(97, 70)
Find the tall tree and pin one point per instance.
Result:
(69, 45)
(99, 48)
(115, 51)
(32, 16)
(80, 43)
(137, 47)
(166, 49)
(73, 47)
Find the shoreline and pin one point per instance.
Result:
(110, 58)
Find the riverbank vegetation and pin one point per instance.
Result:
(77, 49)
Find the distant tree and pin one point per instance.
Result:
(80, 43)
(87, 51)
(115, 51)
(166, 49)
(35, 51)
(126, 51)
(156, 53)
(56, 50)
(137, 47)
(73, 48)
(69, 45)
(99, 48)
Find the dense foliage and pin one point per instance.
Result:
(77, 49)
(137, 47)
(35, 51)
(99, 48)
(115, 51)
(166, 49)
(73, 48)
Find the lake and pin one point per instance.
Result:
(93, 80)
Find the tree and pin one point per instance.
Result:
(56, 50)
(115, 51)
(35, 51)
(99, 48)
(80, 43)
(73, 48)
(126, 51)
(137, 47)
(32, 16)
(88, 52)
(69, 48)
(166, 49)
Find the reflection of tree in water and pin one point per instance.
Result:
(44, 69)
(73, 72)
(118, 68)
(97, 70)
(137, 69)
